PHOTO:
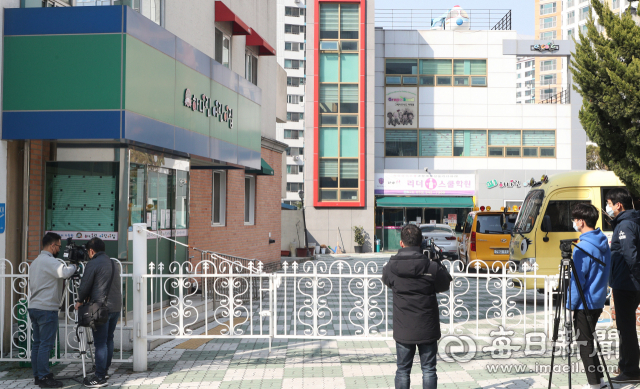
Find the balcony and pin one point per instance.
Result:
(421, 19)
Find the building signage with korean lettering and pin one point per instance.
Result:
(545, 47)
(425, 184)
(203, 104)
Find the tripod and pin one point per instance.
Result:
(567, 267)
(84, 337)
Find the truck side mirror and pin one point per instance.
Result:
(546, 224)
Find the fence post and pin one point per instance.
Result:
(139, 297)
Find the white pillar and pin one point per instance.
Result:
(139, 297)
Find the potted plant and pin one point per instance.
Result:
(358, 237)
(323, 248)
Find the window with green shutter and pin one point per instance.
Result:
(435, 143)
(470, 143)
(435, 66)
(504, 138)
(401, 143)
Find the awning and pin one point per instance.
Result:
(424, 202)
(256, 40)
(224, 14)
(265, 169)
(287, 206)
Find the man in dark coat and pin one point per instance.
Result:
(625, 279)
(416, 320)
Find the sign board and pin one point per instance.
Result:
(421, 184)
(432, 222)
(453, 218)
(3, 217)
(506, 184)
(86, 235)
(401, 107)
(419, 219)
(545, 47)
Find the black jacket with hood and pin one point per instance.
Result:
(416, 318)
(625, 266)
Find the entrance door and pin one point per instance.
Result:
(393, 222)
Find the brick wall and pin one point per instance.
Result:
(235, 238)
(39, 155)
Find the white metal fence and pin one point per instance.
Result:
(14, 286)
(218, 297)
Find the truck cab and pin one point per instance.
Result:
(545, 217)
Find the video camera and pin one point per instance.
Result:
(75, 253)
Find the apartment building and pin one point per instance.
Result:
(526, 80)
(548, 27)
(291, 56)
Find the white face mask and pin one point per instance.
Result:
(609, 210)
(575, 227)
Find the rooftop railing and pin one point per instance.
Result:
(421, 19)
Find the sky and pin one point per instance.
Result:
(522, 11)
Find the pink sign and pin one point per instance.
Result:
(424, 184)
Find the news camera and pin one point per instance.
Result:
(75, 253)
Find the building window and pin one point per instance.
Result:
(548, 65)
(519, 75)
(548, 22)
(295, 99)
(518, 94)
(530, 73)
(293, 134)
(548, 35)
(293, 46)
(519, 85)
(151, 9)
(548, 79)
(571, 3)
(616, 4)
(219, 198)
(436, 72)
(293, 11)
(518, 66)
(223, 49)
(295, 187)
(251, 68)
(295, 116)
(546, 9)
(529, 84)
(249, 200)
(584, 29)
(293, 63)
(547, 93)
(571, 33)
(293, 169)
(584, 13)
(571, 17)
(293, 29)
(295, 81)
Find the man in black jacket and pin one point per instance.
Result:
(416, 318)
(625, 279)
(94, 286)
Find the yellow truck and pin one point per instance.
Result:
(545, 218)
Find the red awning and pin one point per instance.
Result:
(224, 14)
(253, 39)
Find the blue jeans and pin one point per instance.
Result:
(44, 330)
(405, 354)
(103, 342)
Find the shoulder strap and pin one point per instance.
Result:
(113, 271)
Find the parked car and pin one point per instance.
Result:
(485, 237)
(443, 236)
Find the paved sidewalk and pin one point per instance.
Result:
(247, 363)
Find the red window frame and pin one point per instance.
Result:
(361, 127)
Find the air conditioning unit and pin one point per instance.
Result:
(296, 157)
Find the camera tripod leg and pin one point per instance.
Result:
(562, 287)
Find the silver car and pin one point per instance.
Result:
(443, 236)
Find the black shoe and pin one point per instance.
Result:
(625, 378)
(36, 381)
(95, 382)
(48, 382)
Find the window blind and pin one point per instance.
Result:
(462, 66)
(349, 17)
(329, 17)
(401, 136)
(474, 143)
(435, 66)
(538, 138)
(435, 143)
(328, 168)
(504, 138)
(329, 98)
(349, 93)
(348, 169)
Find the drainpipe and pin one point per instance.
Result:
(25, 199)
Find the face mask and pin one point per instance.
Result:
(609, 210)
(575, 227)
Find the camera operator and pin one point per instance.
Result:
(46, 287)
(416, 319)
(93, 287)
(593, 278)
(625, 279)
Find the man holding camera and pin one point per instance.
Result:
(94, 286)
(625, 279)
(416, 319)
(593, 276)
(46, 287)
